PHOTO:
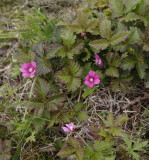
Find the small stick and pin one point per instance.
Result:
(138, 99)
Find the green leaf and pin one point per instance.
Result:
(88, 91)
(41, 88)
(65, 152)
(43, 67)
(128, 63)
(55, 101)
(31, 138)
(115, 131)
(141, 67)
(120, 119)
(130, 17)
(78, 107)
(82, 116)
(112, 72)
(71, 75)
(100, 44)
(117, 7)
(130, 5)
(68, 38)
(134, 36)
(119, 37)
(105, 29)
(75, 49)
(110, 120)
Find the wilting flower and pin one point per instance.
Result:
(83, 34)
(91, 79)
(68, 127)
(98, 60)
(28, 69)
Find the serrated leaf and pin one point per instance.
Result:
(119, 37)
(110, 120)
(87, 56)
(115, 131)
(141, 67)
(130, 5)
(105, 29)
(43, 67)
(117, 7)
(68, 38)
(134, 36)
(66, 151)
(130, 17)
(99, 44)
(55, 101)
(128, 63)
(112, 72)
(120, 119)
(75, 50)
(41, 88)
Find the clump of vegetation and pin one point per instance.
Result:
(63, 61)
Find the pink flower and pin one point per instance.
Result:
(83, 34)
(69, 127)
(28, 69)
(91, 79)
(98, 60)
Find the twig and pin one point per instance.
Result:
(138, 99)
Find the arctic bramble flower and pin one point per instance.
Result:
(92, 79)
(69, 127)
(83, 34)
(98, 60)
(28, 69)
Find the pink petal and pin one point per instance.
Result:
(87, 77)
(89, 84)
(70, 126)
(33, 64)
(24, 67)
(96, 56)
(96, 81)
(25, 74)
(65, 129)
(91, 73)
(96, 76)
(32, 75)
